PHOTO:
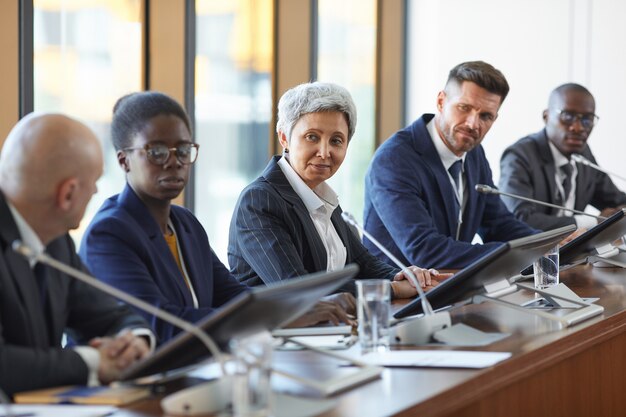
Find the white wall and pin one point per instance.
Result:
(538, 45)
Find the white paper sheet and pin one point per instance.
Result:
(53, 410)
(435, 358)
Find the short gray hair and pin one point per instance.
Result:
(313, 98)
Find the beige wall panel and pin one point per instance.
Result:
(167, 48)
(9, 79)
(390, 65)
(293, 50)
(166, 62)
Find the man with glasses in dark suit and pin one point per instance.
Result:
(541, 166)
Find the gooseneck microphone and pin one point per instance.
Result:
(584, 161)
(485, 189)
(44, 258)
(414, 331)
(426, 307)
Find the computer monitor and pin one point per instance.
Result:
(505, 261)
(262, 308)
(601, 234)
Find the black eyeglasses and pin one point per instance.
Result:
(159, 154)
(568, 118)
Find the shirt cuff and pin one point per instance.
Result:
(147, 333)
(91, 357)
(585, 222)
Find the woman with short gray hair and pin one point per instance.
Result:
(287, 223)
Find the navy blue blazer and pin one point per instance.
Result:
(272, 236)
(124, 247)
(410, 204)
(31, 356)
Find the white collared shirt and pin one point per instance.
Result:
(27, 234)
(448, 158)
(320, 203)
(570, 201)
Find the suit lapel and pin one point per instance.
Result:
(275, 176)
(185, 240)
(548, 167)
(22, 278)
(424, 146)
(138, 210)
(55, 305)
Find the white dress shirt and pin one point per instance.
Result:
(320, 202)
(447, 159)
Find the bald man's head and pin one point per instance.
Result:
(48, 167)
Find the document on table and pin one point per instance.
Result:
(435, 358)
(29, 410)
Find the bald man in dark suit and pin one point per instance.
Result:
(48, 170)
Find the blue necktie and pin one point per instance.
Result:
(455, 171)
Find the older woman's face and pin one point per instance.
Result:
(318, 146)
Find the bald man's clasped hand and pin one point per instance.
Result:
(118, 353)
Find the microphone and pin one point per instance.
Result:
(172, 405)
(584, 161)
(485, 189)
(413, 331)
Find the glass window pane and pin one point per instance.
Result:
(346, 56)
(233, 106)
(87, 53)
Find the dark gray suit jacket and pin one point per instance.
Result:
(272, 236)
(527, 169)
(31, 356)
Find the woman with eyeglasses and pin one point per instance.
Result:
(140, 242)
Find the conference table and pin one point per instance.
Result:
(553, 371)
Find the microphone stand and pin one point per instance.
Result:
(608, 255)
(209, 397)
(485, 189)
(582, 160)
(416, 330)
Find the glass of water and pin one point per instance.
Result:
(546, 269)
(252, 379)
(373, 308)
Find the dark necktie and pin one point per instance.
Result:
(41, 272)
(567, 181)
(40, 276)
(455, 171)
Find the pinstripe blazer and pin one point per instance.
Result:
(272, 236)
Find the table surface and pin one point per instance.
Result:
(535, 344)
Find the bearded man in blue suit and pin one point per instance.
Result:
(420, 200)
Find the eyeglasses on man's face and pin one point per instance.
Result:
(568, 118)
(159, 154)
